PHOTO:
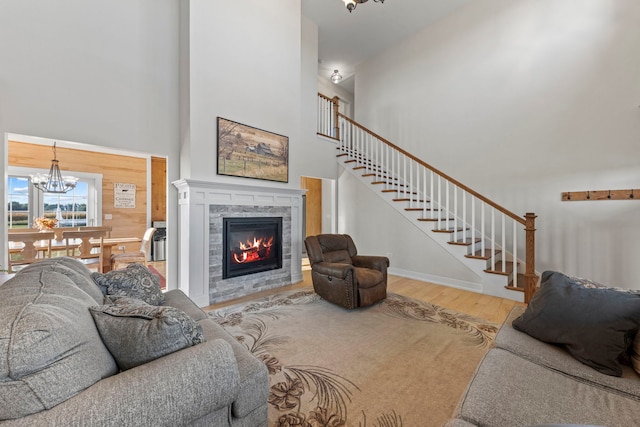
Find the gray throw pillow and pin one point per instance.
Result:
(136, 333)
(74, 270)
(50, 349)
(593, 324)
(135, 281)
(635, 354)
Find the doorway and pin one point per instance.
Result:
(98, 202)
(319, 207)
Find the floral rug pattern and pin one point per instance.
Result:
(318, 395)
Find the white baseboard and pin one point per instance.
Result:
(438, 280)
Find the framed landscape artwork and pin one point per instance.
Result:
(252, 153)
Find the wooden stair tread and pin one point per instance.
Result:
(497, 269)
(435, 220)
(486, 255)
(520, 287)
(466, 242)
(448, 230)
(418, 209)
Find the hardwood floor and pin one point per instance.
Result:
(486, 307)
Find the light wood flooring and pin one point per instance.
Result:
(487, 307)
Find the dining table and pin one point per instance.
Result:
(58, 245)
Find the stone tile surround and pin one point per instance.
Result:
(225, 289)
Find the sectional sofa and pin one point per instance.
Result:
(77, 353)
(568, 358)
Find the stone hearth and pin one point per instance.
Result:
(202, 206)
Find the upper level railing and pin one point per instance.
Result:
(494, 232)
(328, 116)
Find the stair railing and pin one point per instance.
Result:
(473, 220)
(328, 116)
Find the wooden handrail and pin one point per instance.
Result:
(491, 203)
(528, 221)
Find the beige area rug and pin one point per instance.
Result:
(401, 362)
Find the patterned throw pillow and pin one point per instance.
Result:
(136, 332)
(135, 281)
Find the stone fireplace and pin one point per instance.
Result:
(206, 208)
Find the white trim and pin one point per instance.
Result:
(438, 280)
(500, 291)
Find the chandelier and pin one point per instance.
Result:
(54, 182)
(351, 4)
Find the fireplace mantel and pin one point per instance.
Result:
(195, 199)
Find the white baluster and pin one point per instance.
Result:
(504, 255)
(455, 213)
(515, 253)
(493, 239)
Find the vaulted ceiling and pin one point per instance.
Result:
(347, 39)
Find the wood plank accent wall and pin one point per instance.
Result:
(314, 204)
(158, 189)
(114, 168)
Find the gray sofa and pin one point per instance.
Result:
(47, 382)
(524, 382)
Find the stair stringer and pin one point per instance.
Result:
(490, 284)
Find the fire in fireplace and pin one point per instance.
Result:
(251, 245)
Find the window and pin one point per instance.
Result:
(78, 207)
(70, 209)
(18, 188)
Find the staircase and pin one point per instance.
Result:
(490, 240)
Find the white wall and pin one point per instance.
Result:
(246, 70)
(316, 156)
(378, 230)
(522, 101)
(102, 73)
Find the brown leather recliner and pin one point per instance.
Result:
(343, 277)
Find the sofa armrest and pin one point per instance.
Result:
(333, 269)
(176, 389)
(379, 263)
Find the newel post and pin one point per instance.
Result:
(530, 278)
(336, 125)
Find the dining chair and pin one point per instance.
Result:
(106, 228)
(60, 230)
(131, 257)
(87, 246)
(24, 248)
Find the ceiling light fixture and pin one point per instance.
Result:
(54, 182)
(336, 77)
(351, 4)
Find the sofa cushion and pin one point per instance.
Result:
(593, 324)
(74, 270)
(50, 349)
(557, 358)
(136, 332)
(508, 390)
(253, 372)
(135, 281)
